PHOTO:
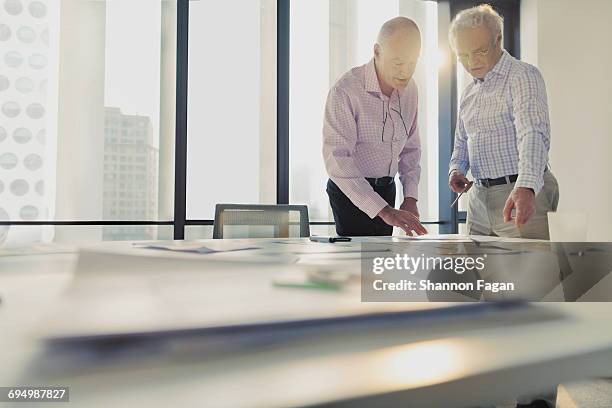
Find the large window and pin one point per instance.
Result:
(232, 102)
(344, 37)
(83, 129)
(112, 111)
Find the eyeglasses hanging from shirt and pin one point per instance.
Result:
(386, 115)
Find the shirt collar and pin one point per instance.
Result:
(371, 80)
(501, 68)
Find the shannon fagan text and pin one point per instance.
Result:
(427, 285)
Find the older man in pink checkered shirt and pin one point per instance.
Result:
(370, 134)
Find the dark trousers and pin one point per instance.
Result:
(350, 220)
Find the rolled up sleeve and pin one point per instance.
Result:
(339, 140)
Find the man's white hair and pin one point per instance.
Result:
(476, 17)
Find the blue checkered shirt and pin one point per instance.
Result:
(503, 126)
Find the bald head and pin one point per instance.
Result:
(402, 26)
(396, 53)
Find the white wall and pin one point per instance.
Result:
(569, 41)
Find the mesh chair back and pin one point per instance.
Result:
(260, 221)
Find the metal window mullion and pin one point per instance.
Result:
(282, 101)
(180, 158)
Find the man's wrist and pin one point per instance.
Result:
(527, 189)
(455, 172)
(384, 211)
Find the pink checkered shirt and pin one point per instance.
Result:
(358, 142)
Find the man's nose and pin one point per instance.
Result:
(404, 73)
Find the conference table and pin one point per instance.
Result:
(221, 323)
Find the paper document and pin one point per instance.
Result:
(436, 237)
(196, 247)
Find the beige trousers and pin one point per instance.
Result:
(486, 206)
(485, 217)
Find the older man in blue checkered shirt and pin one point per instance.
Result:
(502, 134)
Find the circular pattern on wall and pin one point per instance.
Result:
(37, 61)
(1, 186)
(13, 59)
(26, 35)
(40, 187)
(20, 187)
(11, 109)
(24, 85)
(5, 32)
(4, 83)
(37, 9)
(22, 135)
(33, 162)
(35, 111)
(8, 161)
(13, 7)
(28, 213)
(2, 134)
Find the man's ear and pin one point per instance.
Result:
(377, 50)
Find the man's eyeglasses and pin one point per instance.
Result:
(386, 115)
(476, 54)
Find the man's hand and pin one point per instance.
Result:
(457, 181)
(410, 205)
(523, 199)
(402, 219)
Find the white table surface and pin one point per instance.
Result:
(401, 366)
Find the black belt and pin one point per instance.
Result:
(380, 181)
(497, 181)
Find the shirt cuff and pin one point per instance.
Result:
(411, 190)
(530, 181)
(373, 205)
(462, 168)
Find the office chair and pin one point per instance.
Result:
(260, 221)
